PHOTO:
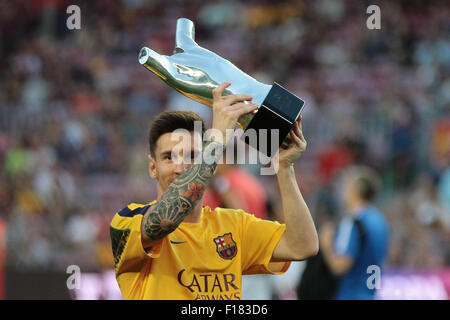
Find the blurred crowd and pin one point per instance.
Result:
(75, 106)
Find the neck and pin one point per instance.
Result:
(195, 214)
(356, 207)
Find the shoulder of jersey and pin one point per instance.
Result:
(230, 213)
(134, 209)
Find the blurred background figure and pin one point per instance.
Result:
(361, 239)
(75, 106)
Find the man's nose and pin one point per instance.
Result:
(180, 167)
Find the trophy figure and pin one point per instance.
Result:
(195, 71)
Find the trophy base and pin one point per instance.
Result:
(273, 120)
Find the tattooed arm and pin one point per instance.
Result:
(182, 196)
(185, 192)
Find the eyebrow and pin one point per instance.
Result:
(169, 152)
(165, 153)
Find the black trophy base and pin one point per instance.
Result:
(278, 112)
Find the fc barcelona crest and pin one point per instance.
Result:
(225, 246)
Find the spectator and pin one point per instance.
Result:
(361, 239)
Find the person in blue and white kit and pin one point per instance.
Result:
(360, 240)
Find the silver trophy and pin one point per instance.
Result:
(195, 72)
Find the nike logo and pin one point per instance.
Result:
(177, 242)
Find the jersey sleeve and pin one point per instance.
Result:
(347, 239)
(126, 241)
(259, 239)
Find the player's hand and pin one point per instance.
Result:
(228, 109)
(292, 147)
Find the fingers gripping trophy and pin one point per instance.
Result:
(195, 71)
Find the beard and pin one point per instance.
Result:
(168, 182)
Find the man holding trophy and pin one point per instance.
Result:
(173, 247)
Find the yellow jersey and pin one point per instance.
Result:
(203, 260)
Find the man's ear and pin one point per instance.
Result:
(152, 167)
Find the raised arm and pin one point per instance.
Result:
(186, 191)
(182, 196)
(300, 240)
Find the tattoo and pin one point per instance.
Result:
(183, 194)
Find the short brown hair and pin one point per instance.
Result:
(169, 121)
(366, 180)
